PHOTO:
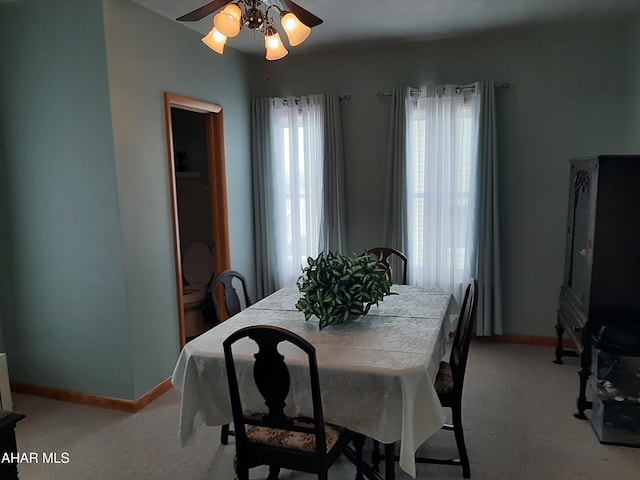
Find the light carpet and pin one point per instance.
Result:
(518, 417)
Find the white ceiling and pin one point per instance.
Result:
(367, 21)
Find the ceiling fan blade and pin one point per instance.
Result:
(305, 16)
(203, 11)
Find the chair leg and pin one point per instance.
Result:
(224, 434)
(375, 455)
(390, 461)
(273, 472)
(242, 472)
(358, 444)
(456, 416)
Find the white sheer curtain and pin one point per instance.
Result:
(297, 144)
(442, 186)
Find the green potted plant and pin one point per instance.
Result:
(337, 287)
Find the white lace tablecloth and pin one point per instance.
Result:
(376, 372)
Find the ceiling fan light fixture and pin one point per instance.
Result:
(215, 41)
(231, 16)
(272, 42)
(227, 21)
(297, 32)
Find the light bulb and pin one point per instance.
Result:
(215, 41)
(275, 48)
(297, 32)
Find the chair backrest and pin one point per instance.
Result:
(464, 331)
(386, 255)
(271, 377)
(231, 299)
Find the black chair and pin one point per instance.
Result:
(232, 303)
(387, 256)
(232, 306)
(450, 379)
(271, 438)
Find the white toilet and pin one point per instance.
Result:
(197, 269)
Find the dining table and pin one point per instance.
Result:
(376, 371)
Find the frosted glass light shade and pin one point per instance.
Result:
(233, 10)
(215, 41)
(227, 21)
(275, 48)
(297, 32)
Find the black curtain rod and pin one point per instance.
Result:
(458, 89)
(346, 96)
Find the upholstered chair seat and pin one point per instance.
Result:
(301, 441)
(444, 379)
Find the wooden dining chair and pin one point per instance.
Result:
(232, 306)
(271, 437)
(232, 303)
(390, 255)
(450, 379)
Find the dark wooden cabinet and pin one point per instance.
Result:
(602, 261)
(8, 448)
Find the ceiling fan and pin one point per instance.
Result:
(305, 16)
(255, 15)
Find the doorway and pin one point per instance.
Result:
(191, 174)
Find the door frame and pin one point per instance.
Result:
(217, 189)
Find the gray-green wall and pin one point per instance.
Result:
(143, 64)
(569, 97)
(62, 286)
(87, 286)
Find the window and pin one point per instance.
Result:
(297, 139)
(441, 186)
